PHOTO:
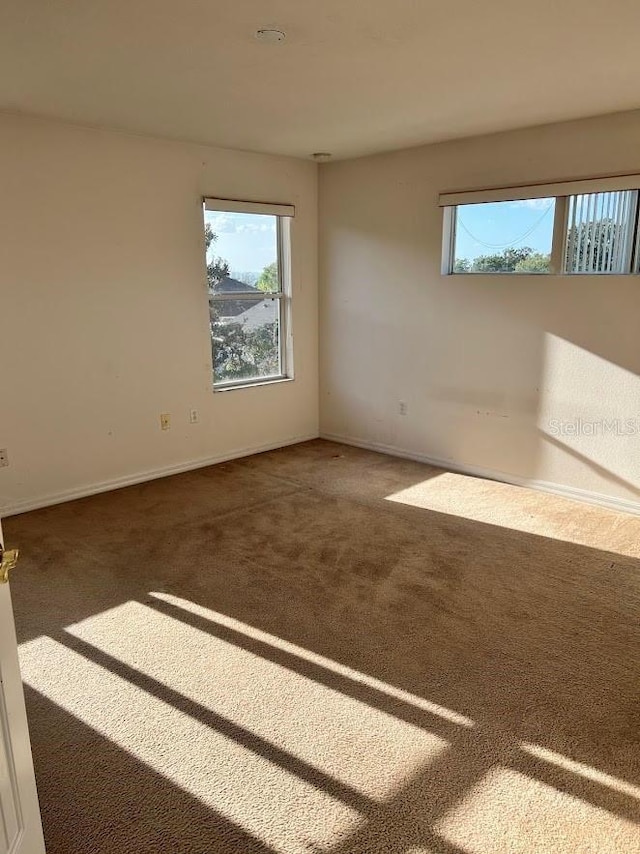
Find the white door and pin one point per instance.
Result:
(20, 824)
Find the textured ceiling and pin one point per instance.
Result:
(353, 76)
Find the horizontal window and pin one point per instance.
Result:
(591, 232)
(249, 294)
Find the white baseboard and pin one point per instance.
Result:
(619, 504)
(624, 505)
(14, 508)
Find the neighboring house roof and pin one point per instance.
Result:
(232, 308)
(229, 285)
(258, 315)
(252, 314)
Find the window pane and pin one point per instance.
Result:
(242, 266)
(242, 251)
(245, 337)
(600, 232)
(504, 237)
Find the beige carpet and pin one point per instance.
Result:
(322, 650)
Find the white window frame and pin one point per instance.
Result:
(561, 191)
(284, 217)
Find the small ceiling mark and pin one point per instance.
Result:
(270, 36)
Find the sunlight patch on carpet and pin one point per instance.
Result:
(506, 810)
(250, 791)
(586, 771)
(366, 750)
(517, 508)
(385, 688)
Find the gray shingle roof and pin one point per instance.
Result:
(230, 286)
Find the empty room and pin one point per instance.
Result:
(319, 427)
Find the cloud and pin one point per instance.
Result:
(223, 223)
(533, 204)
(255, 227)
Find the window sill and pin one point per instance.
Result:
(513, 275)
(252, 383)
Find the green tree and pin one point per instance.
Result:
(592, 245)
(503, 262)
(537, 262)
(462, 265)
(268, 280)
(522, 260)
(239, 354)
(217, 268)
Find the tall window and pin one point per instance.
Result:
(247, 258)
(595, 231)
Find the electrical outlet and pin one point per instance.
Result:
(402, 407)
(165, 421)
(194, 416)
(4, 457)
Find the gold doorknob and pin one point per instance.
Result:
(8, 561)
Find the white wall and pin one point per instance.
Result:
(484, 363)
(104, 318)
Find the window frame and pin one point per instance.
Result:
(562, 192)
(284, 215)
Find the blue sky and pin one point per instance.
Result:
(247, 241)
(488, 229)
